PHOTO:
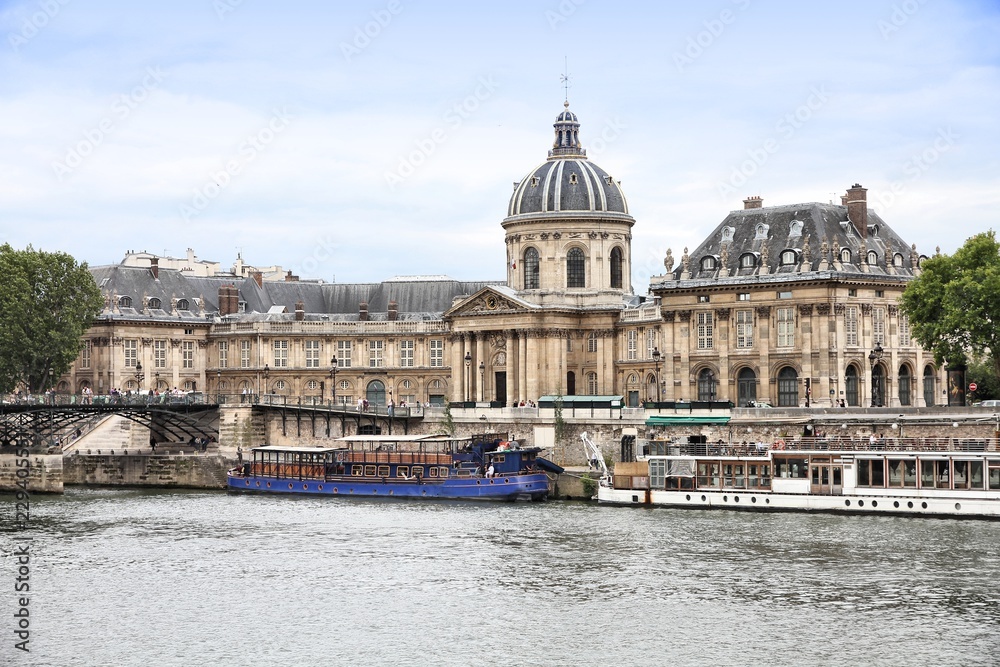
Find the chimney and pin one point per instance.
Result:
(289, 278)
(393, 311)
(363, 311)
(857, 208)
(843, 200)
(154, 267)
(258, 278)
(753, 201)
(300, 310)
(229, 300)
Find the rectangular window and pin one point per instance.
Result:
(904, 330)
(705, 331)
(187, 354)
(223, 354)
(376, 348)
(852, 292)
(743, 296)
(159, 354)
(312, 354)
(437, 353)
(592, 343)
(851, 324)
(878, 325)
(703, 298)
(569, 344)
(281, 354)
(245, 353)
(131, 347)
(786, 327)
(85, 354)
(343, 354)
(650, 343)
(744, 329)
(631, 344)
(784, 295)
(879, 294)
(406, 353)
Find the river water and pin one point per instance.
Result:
(129, 577)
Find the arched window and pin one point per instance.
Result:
(788, 388)
(576, 268)
(851, 385)
(616, 268)
(897, 260)
(928, 386)
(530, 269)
(845, 255)
(155, 303)
(182, 304)
(904, 385)
(125, 302)
(746, 387)
(706, 385)
(787, 257)
(375, 393)
(872, 257)
(748, 261)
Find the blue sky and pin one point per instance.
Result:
(359, 141)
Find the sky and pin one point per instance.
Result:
(354, 142)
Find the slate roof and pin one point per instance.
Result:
(417, 298)
(767, 233)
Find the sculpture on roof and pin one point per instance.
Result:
(668, 261)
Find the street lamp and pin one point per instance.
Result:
(711, 389)
(656, 371)
(873, 358)
(333, 378)
(139, 377)
(267, 374)
(482, 380)
(218, 386)
(468, 374)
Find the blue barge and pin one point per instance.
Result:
(484, 467)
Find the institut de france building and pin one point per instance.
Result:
(782, 304)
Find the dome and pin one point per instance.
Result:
(567, 181)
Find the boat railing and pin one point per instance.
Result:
(879, 444)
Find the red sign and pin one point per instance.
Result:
(973, 386)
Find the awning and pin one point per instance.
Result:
(685, 420)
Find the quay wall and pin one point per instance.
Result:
(160, 471)
(45, 473)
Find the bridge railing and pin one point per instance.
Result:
(124, 398)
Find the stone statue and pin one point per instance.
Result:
(668, 261)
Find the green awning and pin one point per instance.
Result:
(689, 420)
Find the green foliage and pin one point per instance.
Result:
(953, 305)
(47, 302)
(560, 423)
(589, 485)
(981, 372)
(449, 421)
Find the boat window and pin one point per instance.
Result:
(961, 476)
(432, 471)
(499, 458)
(357, 471)
(943, 479)
(895, 472)
(708, 474)
(975, 474)
(369, 471)
(443, 472)
(402, 471)
(790, 468)
(383, 471)
(878, 473)
(864, 472)
(418, 471)
(927, 474)
(657, 473)
(910, 473)
(994, 474)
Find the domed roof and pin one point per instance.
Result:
(567, 181)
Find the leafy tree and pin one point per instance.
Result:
(981, 372)
(47, 302)
(953, 306)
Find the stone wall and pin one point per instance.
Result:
(45, 473)
(188, 471)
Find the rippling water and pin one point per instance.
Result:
(125, 577)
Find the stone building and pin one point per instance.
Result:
(776, 305)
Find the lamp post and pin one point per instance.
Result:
(218, 387)
(333, 378)
(139, 377)
(468, 374)
(267, 374)
(156, 381)
(656, 371)
(873, 359)
(50, 390)
(482, 380)
(711, 389)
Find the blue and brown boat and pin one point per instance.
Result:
(483, 467)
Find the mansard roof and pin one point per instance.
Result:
(417, 298)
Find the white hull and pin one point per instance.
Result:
(981, 504)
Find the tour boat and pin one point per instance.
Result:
(485, 467)
(918, 477)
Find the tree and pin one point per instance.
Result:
(47, 302)
(953, 306)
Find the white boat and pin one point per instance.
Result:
(920, 478)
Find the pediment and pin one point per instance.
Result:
(487, 301)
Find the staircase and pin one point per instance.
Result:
(112, 433)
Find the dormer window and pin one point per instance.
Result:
(727, 234)
(748, 261)
(787, 257)
(760, 231)
(872, 257)
(708, 263)
(572, 179)
(154, 303)
(534, 181)
(182, 304)
(125, 302)
(609, 180)
(795, 228)
(897, 260)
(845, 255)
